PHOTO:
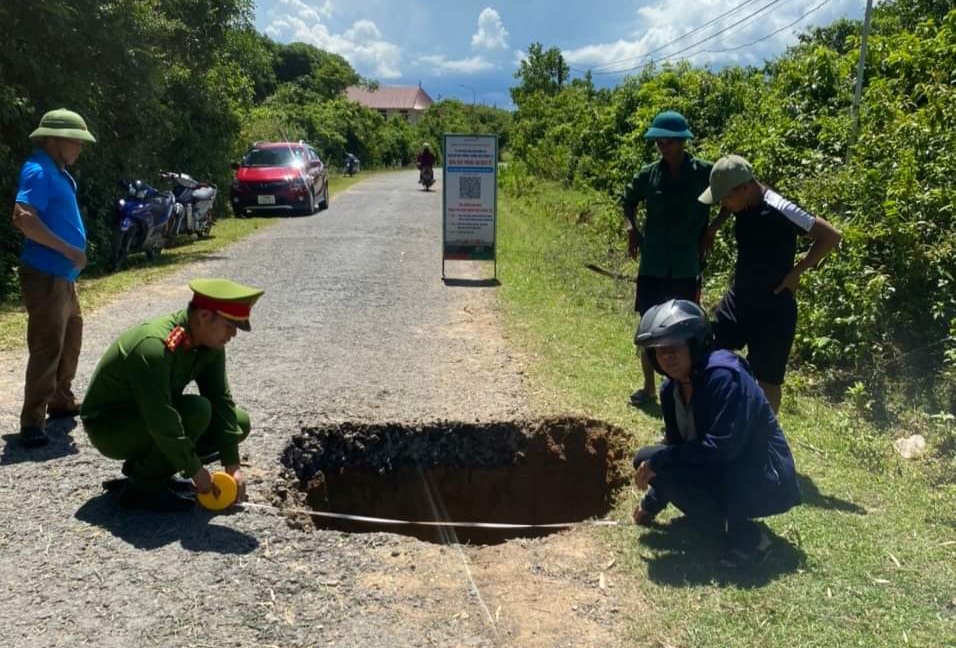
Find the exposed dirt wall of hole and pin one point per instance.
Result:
(524, 472)
(387, 447)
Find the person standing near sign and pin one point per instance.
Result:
(673, 240)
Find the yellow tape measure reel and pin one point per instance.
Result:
(227, 493)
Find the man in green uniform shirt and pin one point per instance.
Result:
(673, 239)
(135, 409)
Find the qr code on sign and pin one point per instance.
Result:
(469, 187)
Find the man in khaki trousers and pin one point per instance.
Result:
(54, 253)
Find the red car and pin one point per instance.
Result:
(277, 177)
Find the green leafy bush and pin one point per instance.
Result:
(875, 315)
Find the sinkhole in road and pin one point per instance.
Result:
(544, 471)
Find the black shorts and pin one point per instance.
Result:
(652, 291)
(765, 325)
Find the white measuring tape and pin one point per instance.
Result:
(387, 521)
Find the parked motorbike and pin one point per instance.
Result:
(427, 177)
(143, 215)
(196, 199)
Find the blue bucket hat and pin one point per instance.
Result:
(669, 124)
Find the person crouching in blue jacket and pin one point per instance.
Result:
(724, 460)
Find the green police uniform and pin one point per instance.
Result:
(135, 409)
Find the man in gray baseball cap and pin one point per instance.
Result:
(54, 253)
(727, 174)
(759, 310)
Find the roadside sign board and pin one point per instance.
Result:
(470, 200)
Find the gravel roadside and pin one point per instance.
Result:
(355, 326)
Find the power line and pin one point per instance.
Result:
(770, 35)
(676, 40)
(699, 42)
(711, 37)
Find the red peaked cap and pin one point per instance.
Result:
(228, 298)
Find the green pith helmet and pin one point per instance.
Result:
(228, 298)
(675, 322)
(63, 123)
(426, 145)
(669, 125)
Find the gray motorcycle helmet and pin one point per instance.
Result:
(674, 322)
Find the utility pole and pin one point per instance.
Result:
(858, 90)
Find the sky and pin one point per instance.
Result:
(470, 49)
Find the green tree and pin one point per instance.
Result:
(454, 116)
(255, 55)
(153, 79)
(907, 14)
(326, 74)
(540, 72)
(835, 36)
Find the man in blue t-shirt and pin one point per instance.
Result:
(759, 310)
(54, 253)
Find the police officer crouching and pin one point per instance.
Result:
(135, 409)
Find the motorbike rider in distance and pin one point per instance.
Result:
(351, 164)
(425, 161)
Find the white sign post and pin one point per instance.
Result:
(470, 201)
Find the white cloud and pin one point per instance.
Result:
(362, 44)
(441, 64)
(363, 30)
(674, 31)
(276, 27)
(519, 55)
(491, 31)
(305, 11)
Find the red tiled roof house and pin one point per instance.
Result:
(409, 102)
